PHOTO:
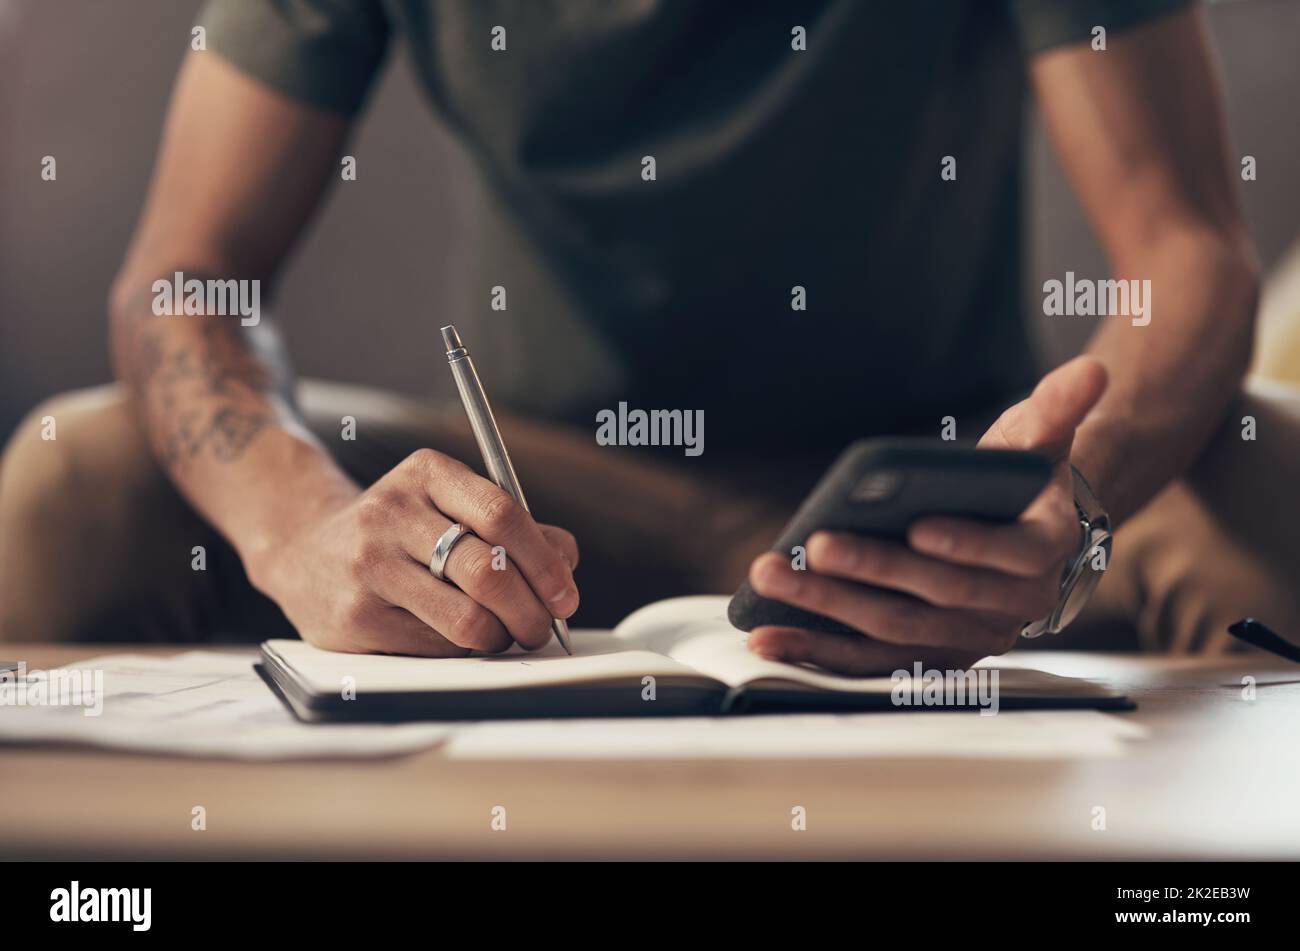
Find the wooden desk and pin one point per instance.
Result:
(1218, 778)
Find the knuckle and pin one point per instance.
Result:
(564, 542)
(375, 508)
(542, 627)
(808, 591)
(550, 576)
(535, 630)
(480, 575)
(875, 563)
(422, 460)
(366, 554)
(473, 626)
(965, 545)
(1024, 557)
(501, 515)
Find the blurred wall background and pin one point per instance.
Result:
(87, 81)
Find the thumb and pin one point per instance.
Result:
(1048, 417)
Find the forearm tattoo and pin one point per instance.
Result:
(203, 384)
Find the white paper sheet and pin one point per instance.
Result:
(597, 657)
(1016, 735)
(695, 631)
(200, 703)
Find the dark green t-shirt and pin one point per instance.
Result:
(775, 168)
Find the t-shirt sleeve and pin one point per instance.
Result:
(1047, 23)
(322, 52)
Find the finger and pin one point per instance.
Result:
(562, 541)
(498, 519)
(849, 655)
(391, 630)
(452, 613)
(1048, 417)
(1028, 548)
(486, 574)
(882, 615)
(890, 565)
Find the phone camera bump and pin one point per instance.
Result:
(877, 486)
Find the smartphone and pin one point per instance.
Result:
(878, 487)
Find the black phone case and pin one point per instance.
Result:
(879, 487)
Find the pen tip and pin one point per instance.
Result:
(562, 635)
(450, 338)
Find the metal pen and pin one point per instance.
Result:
(490, 444)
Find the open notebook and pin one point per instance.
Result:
(677, 657)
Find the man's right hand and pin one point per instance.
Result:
(357, 579)
(240, 169)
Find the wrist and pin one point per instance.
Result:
(297, 483)
(1097, 460)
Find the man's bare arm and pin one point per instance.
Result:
(239, 172)
(1140, 130)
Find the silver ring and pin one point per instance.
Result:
(442, 550)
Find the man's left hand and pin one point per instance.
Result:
(959, 589)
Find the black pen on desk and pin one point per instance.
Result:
(490, 444)
(1261, 636)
